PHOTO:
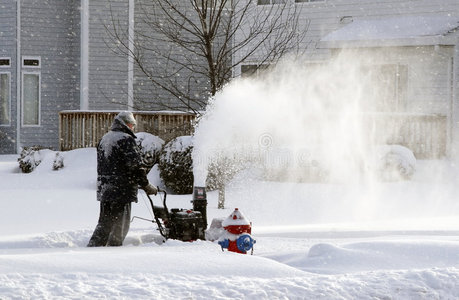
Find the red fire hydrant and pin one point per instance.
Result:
(237, 236)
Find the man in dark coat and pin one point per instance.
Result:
(119, 175)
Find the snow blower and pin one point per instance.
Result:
(182, 224)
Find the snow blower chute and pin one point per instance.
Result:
(179, 223)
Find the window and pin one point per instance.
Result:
(252, 70)
(5, 92)
(31, 62)
(267, 2)
(4, 62)
(31, 89)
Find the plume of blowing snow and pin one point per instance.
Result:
(295, 116)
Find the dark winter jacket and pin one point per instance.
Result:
(119, 165)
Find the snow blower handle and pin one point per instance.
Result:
(164, 198)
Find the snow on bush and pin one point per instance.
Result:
(175, 165)
(58, 162)
(150, 147)
(395, 162)
(31, 157)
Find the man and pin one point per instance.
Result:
(119, 175)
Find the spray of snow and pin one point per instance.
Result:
(306, 122)
(297, 115)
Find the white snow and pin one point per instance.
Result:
(149, 142)
(396, 240)
(395, 28)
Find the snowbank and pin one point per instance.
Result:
(321, 241)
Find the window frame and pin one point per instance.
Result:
(9, 62)
(9, 97)
(24, 58)
(34, 72)
(256, 73)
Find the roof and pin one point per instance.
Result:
(394, 31)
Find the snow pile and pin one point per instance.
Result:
(47, 217)
(395, 28)
(395, 162)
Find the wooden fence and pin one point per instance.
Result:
(425, 135)
(80, 129)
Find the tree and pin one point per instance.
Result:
(187, 49)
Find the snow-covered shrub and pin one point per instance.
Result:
(395, 162)
(58, 162)
(222, 171)
(176, 165)
(150, 147)
(215, 230)
(29, 158)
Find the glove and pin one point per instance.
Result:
(150, 189)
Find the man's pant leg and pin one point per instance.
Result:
(101, 233)
(121, 214)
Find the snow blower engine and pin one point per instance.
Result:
(179, 223)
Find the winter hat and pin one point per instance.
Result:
(126, 117)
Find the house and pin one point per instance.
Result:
(57, 55)
(414, 47)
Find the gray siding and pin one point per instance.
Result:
(147, 95)
(48, 31)
(107, 66)
(8, 49)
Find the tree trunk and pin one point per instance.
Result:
(221, 197)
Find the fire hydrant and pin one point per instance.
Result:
(236, 237)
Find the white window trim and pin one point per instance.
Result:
(39, 98)
(31, 58)
(8, 66)
(9, 98)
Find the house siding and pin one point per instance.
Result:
(108, 67)
(147, 95)
(8, 49)
(48, 32)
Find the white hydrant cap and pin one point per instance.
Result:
(236, 218)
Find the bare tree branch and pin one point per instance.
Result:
(188, 49)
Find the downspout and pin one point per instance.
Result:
(130, 103)
(18, 76)
(454, 135)
(452, 95)
(84, 55)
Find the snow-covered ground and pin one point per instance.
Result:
(393, 240)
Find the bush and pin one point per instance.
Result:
(395, 163)
(29, 158)
(150, 148)
(58, 161)
(176, 165)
